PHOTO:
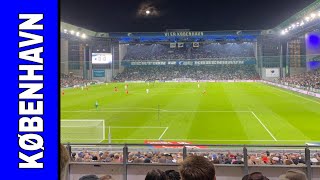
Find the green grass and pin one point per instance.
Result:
(230, 113)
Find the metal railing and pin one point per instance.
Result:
(185, 149)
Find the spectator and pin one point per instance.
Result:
(64, 161)
(172, 175)
(89, 177)
(255, 176)
(156, 175)
(196, 168)
(166, 73)
(293, 174)
(309, 80)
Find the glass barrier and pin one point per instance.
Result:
(276, 156)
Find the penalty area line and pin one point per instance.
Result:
(263, 126)
(163, 133)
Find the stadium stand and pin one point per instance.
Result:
(67, 81)
(275, 157)
(305, 80)
(212, 51)
(167, 73)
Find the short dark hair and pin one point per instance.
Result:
(197, 167)
(255, 176)
(89, 177)
(156, 175)
(172, 175)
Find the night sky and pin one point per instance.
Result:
(196, 15)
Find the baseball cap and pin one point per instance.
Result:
(293, 174)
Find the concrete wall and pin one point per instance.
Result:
(122, 52)
(64, 56)
(295, 71)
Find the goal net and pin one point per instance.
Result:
(82, 131)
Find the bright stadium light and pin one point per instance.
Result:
(147, 12)
(302, 23)
(283, 32)
(72, 32)
(84, 36)
(307, 18)
(313, 15)
(77, 34)
(65, 31)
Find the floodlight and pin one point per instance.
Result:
(77, 34)
(313, 15)
(84, 36)
(147, 12)
(65, 31)
(72, 32)
(307, 18)
(283, 32)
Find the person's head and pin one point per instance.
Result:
(293, 174)
(156, 175)
(64, 160)
(255, 176)
(197, 167)
(172, 175)
(89, 177)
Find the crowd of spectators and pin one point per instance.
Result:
(67, 81)
(204, 51)
(166, 73)
(195, 166)
(263, 158)
(309, 79)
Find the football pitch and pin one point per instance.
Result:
(228, 113)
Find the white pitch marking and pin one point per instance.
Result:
(218, 140)
(137, 127)
(168, 111)
(295, 94)
(163, 133)
(263, 125)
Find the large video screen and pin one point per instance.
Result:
(101, 58)
(313, 50)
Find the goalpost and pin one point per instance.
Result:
(82, 131)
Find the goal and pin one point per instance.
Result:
(82, 131)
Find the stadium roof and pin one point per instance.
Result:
(66, 27)
(300, 16)
(314, 7)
